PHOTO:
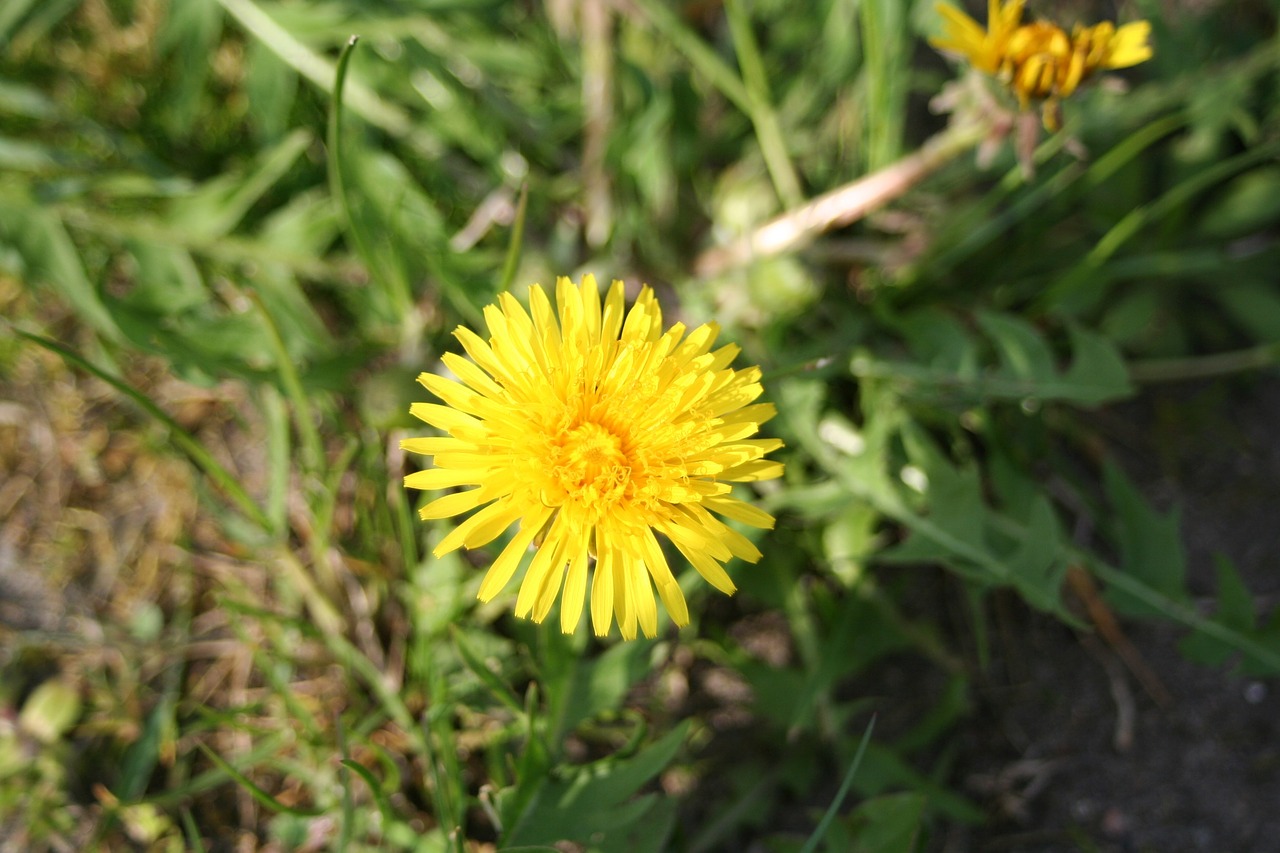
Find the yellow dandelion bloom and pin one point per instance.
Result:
(1039, 61)
(593, 430)
(984, 49)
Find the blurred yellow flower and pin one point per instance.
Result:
(1039, 61)
(594, 432)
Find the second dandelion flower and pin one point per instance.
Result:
(1039, 62)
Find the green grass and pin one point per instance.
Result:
(229, 241)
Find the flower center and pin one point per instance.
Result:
(1037, 60)
(590, 467)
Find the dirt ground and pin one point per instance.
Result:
(1067, 748)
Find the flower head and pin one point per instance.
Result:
(593, 430)
(1039, 61)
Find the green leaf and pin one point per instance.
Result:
(888, 824)
(1021, 348)
(531, 770)
(952, 707)
(497, 686)
(888, 46)
(850, 539)
(272, 88)
(594, 802)
(952, 523)
(1038, 563)
(1133, 318)
(1247, 202)
(1236, 612)
(20, 155)
(11, 15)
(144, 753)
(599, 685)
(938, 339)
(190, 29)
(21, 100)
(1150, 546)
(852, 632)
(953, 492)
(1254, 305)
(957, 528)
(165, 281)
(16, 14)
(883, 768)
(216, 207)
(1097, 373)
(949, 370)
(368, 213)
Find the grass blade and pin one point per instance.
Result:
(316, 68)
(204, 460)
(512, 262)
(700, 56)
(253, 790)
(884, 78)
(312, 446)
(820, 831)
(47, 247)
(1061, 292)
(386, 272)
(768, 130)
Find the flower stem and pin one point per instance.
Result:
(841, 206)
(1206, 366)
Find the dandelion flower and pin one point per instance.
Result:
(593, 430)
(1039, 61)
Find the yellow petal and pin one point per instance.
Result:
(445, 418)
(624, 598)
(575, 590)
(455, 503)
(752, 472)
(487, 360)
(499, 574)
(546, 565)
(546, 339)
(480, 529)
(430, 446)
(712, 572)
(740, 511)
(641, 593)
(1130, 45)
(591, 308)
(470, 373)
(668, 589)
(602, 596)
(445, 478)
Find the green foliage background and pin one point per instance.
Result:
(218, 289)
